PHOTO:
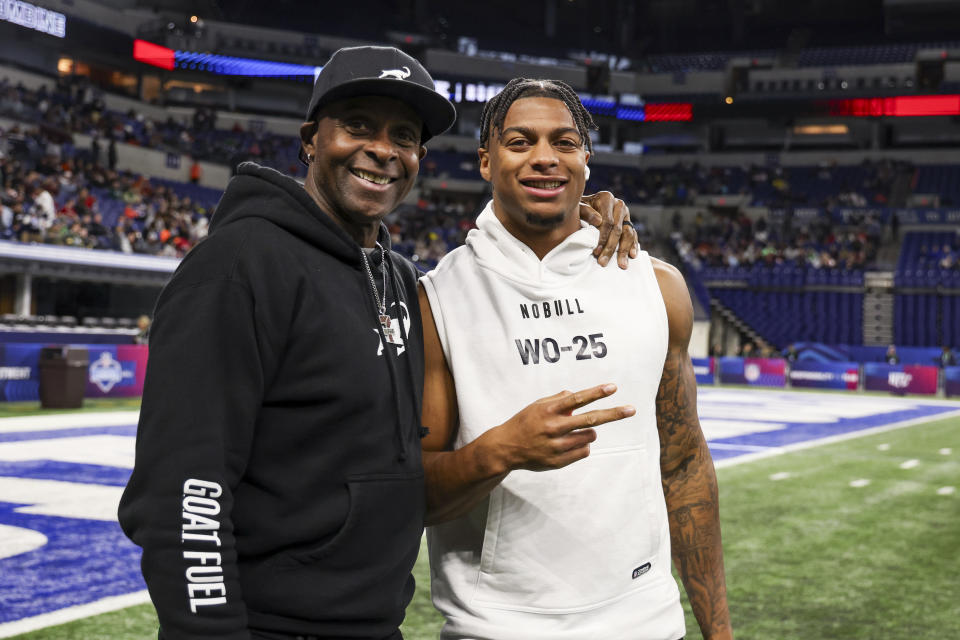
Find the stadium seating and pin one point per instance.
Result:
(866, 55)
(786, 304)
(927, 307)
(939, 179)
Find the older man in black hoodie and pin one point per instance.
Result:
(278, 490)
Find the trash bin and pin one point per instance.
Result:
(63, 377)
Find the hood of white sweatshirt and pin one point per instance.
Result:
(498, 250)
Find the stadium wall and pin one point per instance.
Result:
(226, 120)
(114, 370)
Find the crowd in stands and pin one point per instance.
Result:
(434, 226)
(75, 105)
(945, 256)
(75, 202)
(70, 199)
(826, 186)
(58, 194)
(738, 241)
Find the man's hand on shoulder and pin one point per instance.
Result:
(617, 235)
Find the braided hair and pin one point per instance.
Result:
(495, 110)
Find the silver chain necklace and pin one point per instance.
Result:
(389, 332)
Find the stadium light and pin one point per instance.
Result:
(166, 58)
(899, 106)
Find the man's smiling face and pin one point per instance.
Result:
(536, 165)
(366, 155)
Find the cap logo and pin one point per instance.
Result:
(399, 74)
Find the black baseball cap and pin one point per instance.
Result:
(382, 71)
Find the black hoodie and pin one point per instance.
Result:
(278, 483)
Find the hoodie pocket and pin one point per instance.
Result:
(364, 570)
(572, 539)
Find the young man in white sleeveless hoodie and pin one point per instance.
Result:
(544, 527)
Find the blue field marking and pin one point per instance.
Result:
(82, 561)
(69, 471)
(119, 430)
(739, 422)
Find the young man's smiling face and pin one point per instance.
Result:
(366, 154)
(536, 165)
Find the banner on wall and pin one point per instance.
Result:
(951, 381)
(825, 375)
(900, 378)
(114, 371)
(759, 372)
(19, 372)
(859, 353)
(703, 368)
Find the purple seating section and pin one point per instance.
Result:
(788, 304)
(940, 179)
(927, 311)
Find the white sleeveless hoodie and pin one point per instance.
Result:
(576, 553)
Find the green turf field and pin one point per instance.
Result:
(808, 555)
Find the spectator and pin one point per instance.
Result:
(95, 150)
(196, 172)
(947, 358)
(790, 354)
(891, 356)
(143, 330)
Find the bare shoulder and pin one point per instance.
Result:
(676, 298)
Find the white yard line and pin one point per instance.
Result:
(61, 616)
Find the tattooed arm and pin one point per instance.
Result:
(689, 480)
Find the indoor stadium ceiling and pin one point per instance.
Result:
(623, 27)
